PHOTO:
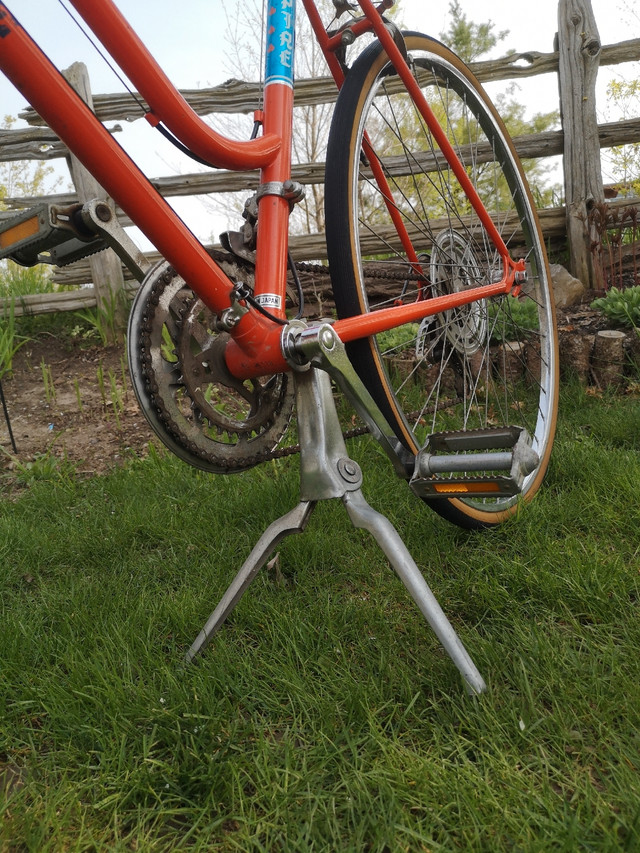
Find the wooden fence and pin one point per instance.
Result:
(579, 142)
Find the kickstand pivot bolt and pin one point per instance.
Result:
(327, 339)
(349, 470)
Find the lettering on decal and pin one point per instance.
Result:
(280, 42)
(269, 300)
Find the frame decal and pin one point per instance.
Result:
(269, 300)
(281, 18)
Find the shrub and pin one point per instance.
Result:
(511, 318)
(620, 306)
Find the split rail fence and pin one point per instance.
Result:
(578, 224)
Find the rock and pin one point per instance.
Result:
(567, 290)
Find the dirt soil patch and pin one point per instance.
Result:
(71, 403)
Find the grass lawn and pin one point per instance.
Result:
(324, 716)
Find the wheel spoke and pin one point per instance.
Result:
(491, 362)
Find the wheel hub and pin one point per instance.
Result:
(454, 269)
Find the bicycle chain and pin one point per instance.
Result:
(393, 275)
(197, 455)
(159, 411)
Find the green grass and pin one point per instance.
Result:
(78, 327)
(323, 716)
(17, 281)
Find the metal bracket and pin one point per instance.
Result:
(243, 243)
(320, 346)
(97, 214)
(290, 190)
(231, 316)
(236, 243)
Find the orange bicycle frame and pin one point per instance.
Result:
(255, 348)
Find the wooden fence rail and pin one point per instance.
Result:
(237, 96)
(530, 147)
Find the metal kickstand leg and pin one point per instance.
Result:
(326, 471)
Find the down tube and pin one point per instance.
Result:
(26, 66)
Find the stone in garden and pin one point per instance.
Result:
(567, 290)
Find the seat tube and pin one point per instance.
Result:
(273, 208)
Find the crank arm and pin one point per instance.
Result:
(99, 217)
(320, 345)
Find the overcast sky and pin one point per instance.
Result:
(191, 48)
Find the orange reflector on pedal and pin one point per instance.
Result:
(19, 232)
(464, 488)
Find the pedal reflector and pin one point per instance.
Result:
(18, 233)
(467, 487)
(467, 462)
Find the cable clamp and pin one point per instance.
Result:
(292, 191)
(230, 317)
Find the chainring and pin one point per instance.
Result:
(203, 414)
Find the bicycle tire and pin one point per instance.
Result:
(499, 356)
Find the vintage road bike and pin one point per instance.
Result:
(443, 337)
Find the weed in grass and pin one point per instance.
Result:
(17, 281)
(44, 466)
(47, 381)
(93, 320)
(76, 386)
(101, 385)
(124, 372)
(84, 334)
(10, 340)
(117, 404)
(105, 321)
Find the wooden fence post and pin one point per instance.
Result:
(106, 268)
(579, 49)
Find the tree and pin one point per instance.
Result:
(471, 41)
(467, 38)
(538, 172)
(623, 98)
(622, 163)
(311, 124)
(19, 177)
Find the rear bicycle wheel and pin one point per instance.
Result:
(490, 363)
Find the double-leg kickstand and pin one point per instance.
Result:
(326, 471)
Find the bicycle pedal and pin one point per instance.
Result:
(42, 228)
(465, 463)
(74, 250)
